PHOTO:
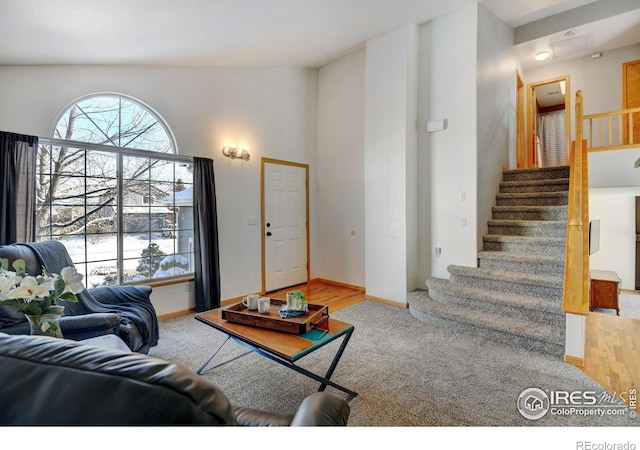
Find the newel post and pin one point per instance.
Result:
(575, 298)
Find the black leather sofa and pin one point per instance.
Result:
(50, 381)
(123, 310)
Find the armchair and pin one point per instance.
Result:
(49, 381)
(123, 310)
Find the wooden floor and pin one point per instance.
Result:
(334, 296)
(612, 351)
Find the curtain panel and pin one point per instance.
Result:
(17, 187)
(206, 251)
(551, 133)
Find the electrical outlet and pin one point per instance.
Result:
(187, 286)
(252, 221)
(438, 251)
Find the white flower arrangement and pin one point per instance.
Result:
(37, 295)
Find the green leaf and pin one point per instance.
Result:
(19, 266)
(69, 296)
(4, 263)
(11, 302)
(33, 309)
(59, 286)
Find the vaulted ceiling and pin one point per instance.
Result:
(306, 33)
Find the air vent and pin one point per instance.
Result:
(572, 47)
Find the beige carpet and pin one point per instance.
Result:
(406, 373)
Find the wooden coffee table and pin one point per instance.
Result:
(281, 347)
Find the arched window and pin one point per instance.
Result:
(113, 190)
(114, 120)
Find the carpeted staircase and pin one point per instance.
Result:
(514, 296)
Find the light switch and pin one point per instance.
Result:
(436, 125)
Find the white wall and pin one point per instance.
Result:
(340, 170)
(390, 156)
(453, 155)
(496, 111)
(271, 110)
(617, 214)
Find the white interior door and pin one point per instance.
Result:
(284, 225)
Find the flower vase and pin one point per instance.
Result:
(46, 324)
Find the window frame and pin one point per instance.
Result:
(121, 153)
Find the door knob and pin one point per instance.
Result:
(268, 224)
(268, 233)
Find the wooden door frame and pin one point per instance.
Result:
(531, 116)
(625, 103)
(521, 146)
(624, 81)
(263, 227)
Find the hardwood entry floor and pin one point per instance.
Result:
(612, 342)
(612, 351)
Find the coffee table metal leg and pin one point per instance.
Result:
(336, 359)
(324, 381)
(201, 370)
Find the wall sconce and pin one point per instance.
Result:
(232, 152)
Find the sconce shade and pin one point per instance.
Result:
(231, 151)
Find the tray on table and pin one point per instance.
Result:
(239, 313)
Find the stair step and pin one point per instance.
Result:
(515, 306)
(521, 262)
(532, 199)
(545, 212)
(533, 336)
(551, 185)
(536, 173)
(539, 228)
(540, 286)
(525, 244)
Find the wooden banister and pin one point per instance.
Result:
(611, 130)
(575, 297)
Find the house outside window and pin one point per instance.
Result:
(111, 188)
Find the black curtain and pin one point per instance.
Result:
(207, 261)
(17, 187)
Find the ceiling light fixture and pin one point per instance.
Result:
(541, 56)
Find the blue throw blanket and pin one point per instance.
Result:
(130, 303)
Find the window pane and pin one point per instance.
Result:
(136, 168)
(101, 164)
(103, 273)
(101, 247)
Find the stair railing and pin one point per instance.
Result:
(575, 297)
(612, 130)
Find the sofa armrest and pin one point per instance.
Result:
(322, 409)
(249, 417)
(318, 409)
(89, 325)
(108, 322)
(114, 295)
